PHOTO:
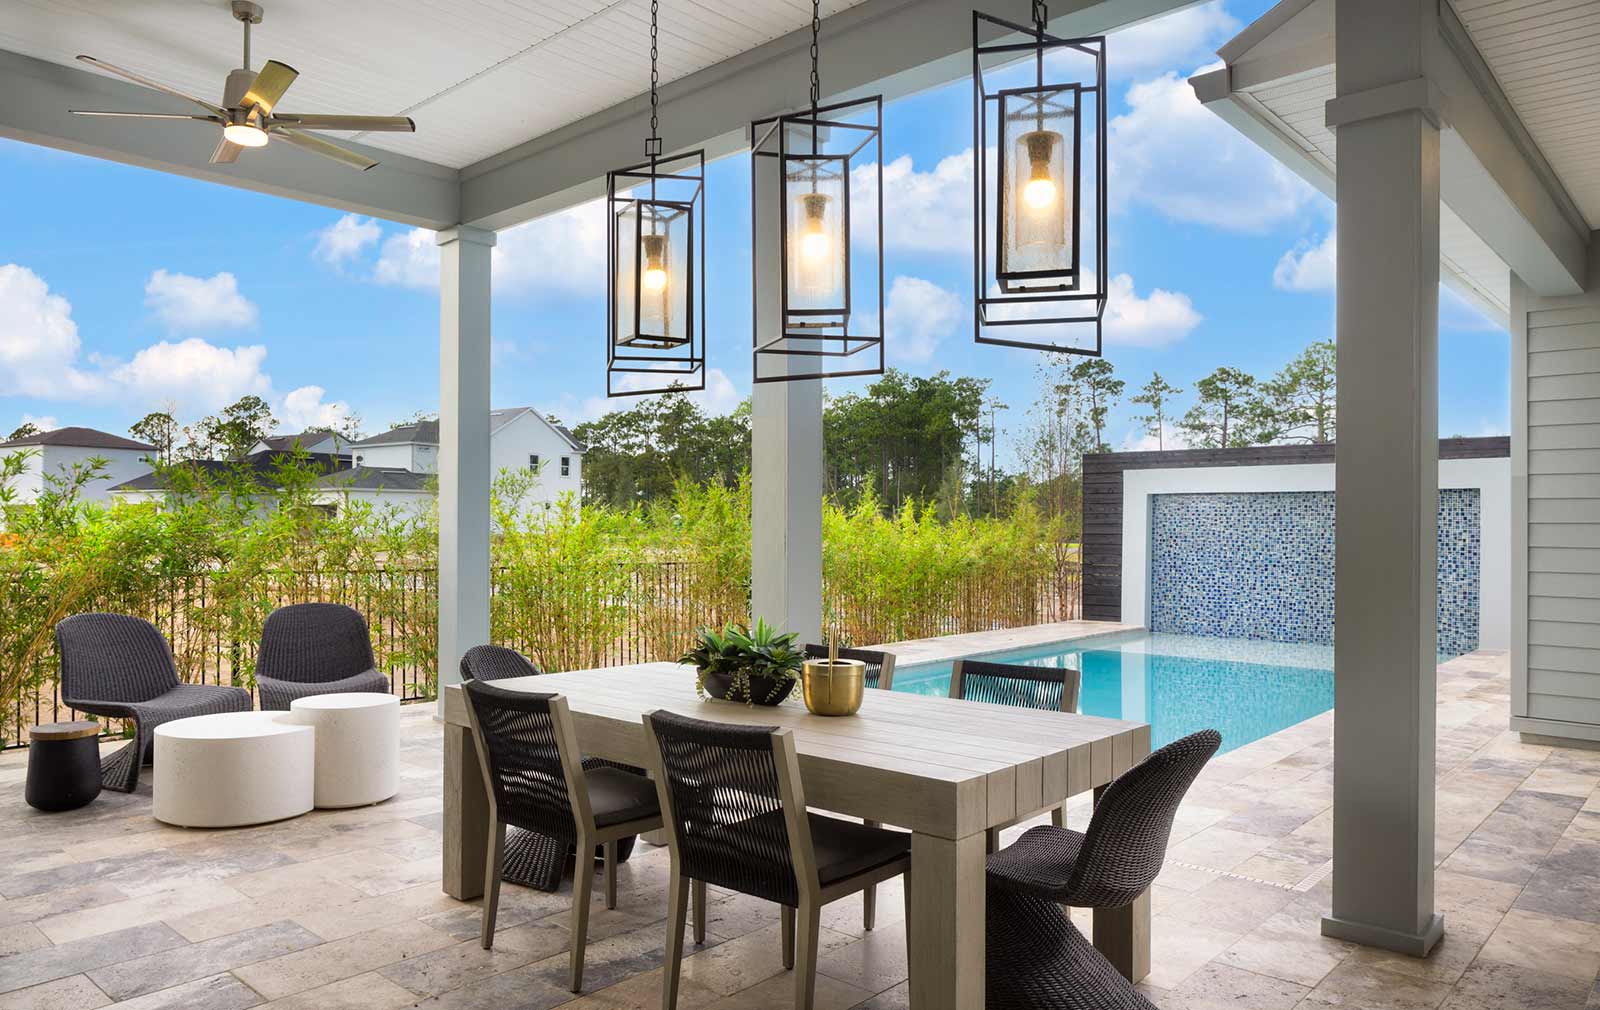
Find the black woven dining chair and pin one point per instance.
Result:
(531, 860)
(1036, 959)
(1052, 689)
(528, 750)
(120, 667)
(880, 665)
(736, 817)
(1117, 858)
(880, 675)
(309, 649)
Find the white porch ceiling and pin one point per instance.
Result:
(1545, 54)
(478, 76)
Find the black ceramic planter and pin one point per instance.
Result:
(764, 690)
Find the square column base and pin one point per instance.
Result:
(1412, 944)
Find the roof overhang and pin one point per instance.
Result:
(1504, 208)
(893, 47)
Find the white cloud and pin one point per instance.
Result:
(564, 253)
(1138, 440)
(918, 315)
(1308, 267)
(1156, 320)
(1170, 154)
(195, 375)
(39, 342)
(305, 408)
(346, 238)
(1177, 39)
(1162, 318)
(44, 422)
(924, 211)
(183, 302)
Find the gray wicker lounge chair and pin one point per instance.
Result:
(736, 817)
(1117, 858)
(531, 859)
(315, 648)
(529, 753)
(1053, 689)
(120, 667)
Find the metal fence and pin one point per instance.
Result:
(562, 619)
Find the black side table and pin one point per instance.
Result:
(63, 765)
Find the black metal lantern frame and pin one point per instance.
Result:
(1034, 290)
(656, 209)
(811, 159)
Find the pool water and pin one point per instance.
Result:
(1177, 683)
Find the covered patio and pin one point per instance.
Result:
(1433, 842)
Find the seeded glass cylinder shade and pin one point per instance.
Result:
(652, 256)
(818, 248)
(1037, 234)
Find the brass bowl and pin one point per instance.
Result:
(836, 689)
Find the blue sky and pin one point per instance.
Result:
(124, 290)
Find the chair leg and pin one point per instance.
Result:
(786, 914)
(807, 936)
(582, 885)
(1058, 816)
(677, 909)
(869, 897)
(699, 911)
(492, 867)
(610, 853)
(991, 841)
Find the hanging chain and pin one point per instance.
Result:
(1041, 15)
(816, 78)
(652, 147)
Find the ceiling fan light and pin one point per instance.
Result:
(245, 135)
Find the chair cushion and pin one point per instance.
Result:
(616, 796)
(846, 848)
(1040, 863)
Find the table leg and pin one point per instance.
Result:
(466, 815)
(945, 936)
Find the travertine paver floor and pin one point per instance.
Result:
(342, 910)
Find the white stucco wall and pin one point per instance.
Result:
(387, 457)
(1492, 478)
(121, 465)
(413, 503)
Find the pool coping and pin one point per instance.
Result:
(920, 651)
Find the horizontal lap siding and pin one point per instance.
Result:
(1563, 510)
(1102, 498)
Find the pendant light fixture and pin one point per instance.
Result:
(817, 218)
(655, 272)
(1039, 227)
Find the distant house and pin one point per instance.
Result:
(58, 451)
(319, 442)
(394, 468)
(261, 468)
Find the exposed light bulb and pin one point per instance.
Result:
(655, 279)
(814, 245)
(245, 135)
(1039, 193)
(655, 263)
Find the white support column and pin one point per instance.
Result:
(786, 477)
(464, 286)
(1387, 476)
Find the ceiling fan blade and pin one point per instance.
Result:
(227, 152)
(270, 84)
(144, 115)
(110, 68)
(361, 124)
(317, 145)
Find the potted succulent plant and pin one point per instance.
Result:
(758, 666)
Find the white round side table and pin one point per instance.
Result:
(357, 744)
(232, 769)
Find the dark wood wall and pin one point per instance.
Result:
(1102, 499)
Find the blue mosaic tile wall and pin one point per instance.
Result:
(1260, 565)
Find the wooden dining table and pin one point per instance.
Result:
(947, 770)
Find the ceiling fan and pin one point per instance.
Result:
(248, 115)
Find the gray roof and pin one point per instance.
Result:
(259, 467)
(286, 443)
(77, 438)
(376, 478)
(423, 432)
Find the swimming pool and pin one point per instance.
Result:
(1177, 683)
